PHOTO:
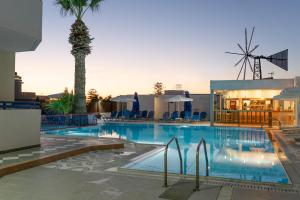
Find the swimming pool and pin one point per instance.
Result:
(238, 153)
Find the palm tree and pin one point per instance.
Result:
(62, 105)
(80, 40)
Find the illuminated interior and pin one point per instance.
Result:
(253, 94)
(253, 106)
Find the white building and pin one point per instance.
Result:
(159, 104)
(20, 31)
(255, 102)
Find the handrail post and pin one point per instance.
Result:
(166, 167)
(166, 160)
(197, 188)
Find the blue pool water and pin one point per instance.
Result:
(238, 153)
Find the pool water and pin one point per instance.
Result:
(238, 153)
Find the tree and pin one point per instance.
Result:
(158, 88)
(80, 40)
(62, 105)
(93, 98)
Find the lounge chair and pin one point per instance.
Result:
(166, 116)
(151, 115)
(203, 115)
(196, 116)
(175, 115)
(135, 115)
(144, 114)
(181, 114)
(126, 114)
(120, 114)
(113, 114)
(187, 115)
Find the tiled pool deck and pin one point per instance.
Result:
(52, 148)
(95, 175)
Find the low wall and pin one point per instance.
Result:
(19, 129)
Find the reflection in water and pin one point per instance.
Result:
(240, 153)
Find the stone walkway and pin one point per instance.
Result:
(95, 176)
(52, 148)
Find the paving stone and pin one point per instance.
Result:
(225, 193)
(206, 192)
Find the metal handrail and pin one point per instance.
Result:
(166, 160)
(202, 141)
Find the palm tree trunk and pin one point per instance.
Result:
(79, 85)
(80, 40)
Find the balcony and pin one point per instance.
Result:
(19, 125)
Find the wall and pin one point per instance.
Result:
(146, 103)
(200, 103)
(7, 73)
(20, 25)
(18, 129)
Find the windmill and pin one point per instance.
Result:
(279, 59)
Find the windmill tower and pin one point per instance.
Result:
(279, 59)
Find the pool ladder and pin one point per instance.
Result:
(166, 160)
(202, 142)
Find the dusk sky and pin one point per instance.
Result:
(140, 42)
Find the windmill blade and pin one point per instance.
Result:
(280, 59)
(250, 64)
(239, 61)
(254, 49)
(241, 48)
(245, 69)
(249, 45)
(241, 69)
(246, 40)
(234, 53)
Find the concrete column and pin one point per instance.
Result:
(211, 104)
(7, 73)
(297, 112)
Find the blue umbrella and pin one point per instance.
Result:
(187, 104)
(136, 105)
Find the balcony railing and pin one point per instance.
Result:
(12, 105)
(254, 117)
(53, 122)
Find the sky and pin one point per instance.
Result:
(140, 42)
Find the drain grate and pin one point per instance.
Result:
(254, 187)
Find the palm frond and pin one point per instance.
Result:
(77, 7)
(95, 4)
(65, 6)
(63, 105)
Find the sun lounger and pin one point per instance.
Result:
(144, 114)
(151, 115)
(196, 116)
(166, 116)
(175, 115)
(187, 115)
(203, 115)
